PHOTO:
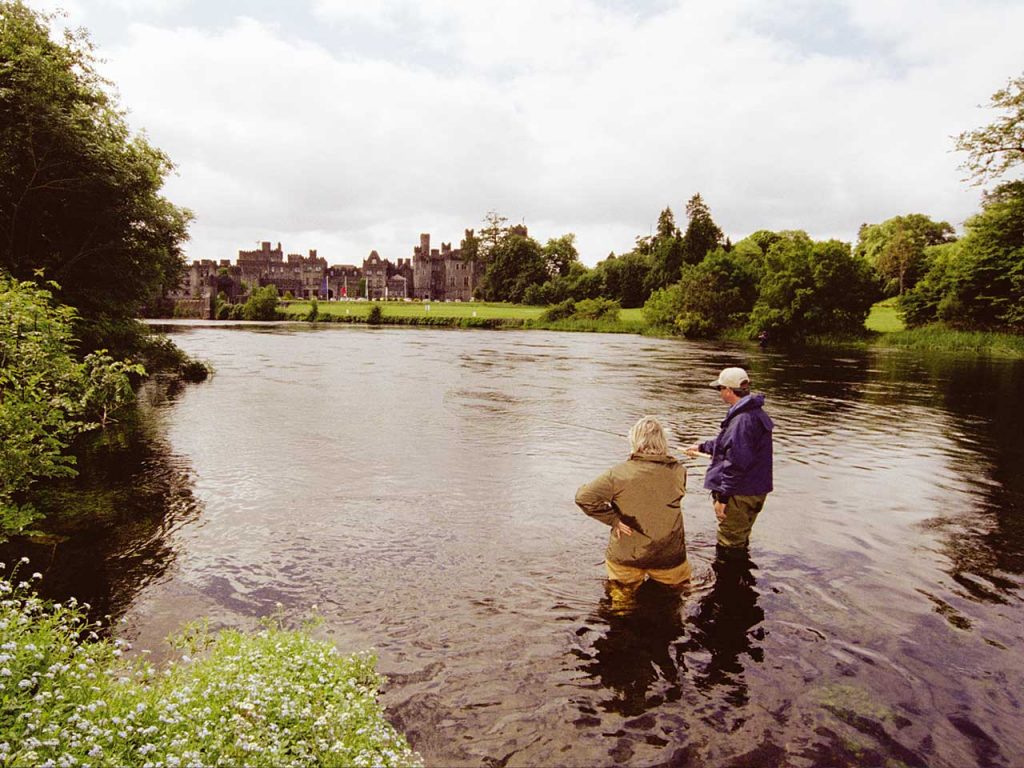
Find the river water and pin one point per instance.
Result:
(414, 488)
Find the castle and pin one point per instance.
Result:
(444, 274)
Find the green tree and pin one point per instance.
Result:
(513, 265)
(710, 296)
(812, 288)
(665, 252)
(262, 304)
(79, 195)
(626, 278)
(895, 248)
(492, 234)
(998, 147)
(979, 283)
(560, 253)
(702, 234)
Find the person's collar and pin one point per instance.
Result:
(659, 458)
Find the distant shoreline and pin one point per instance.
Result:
(884, 328)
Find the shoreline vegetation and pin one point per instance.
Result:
(883, 327)
(274, 697)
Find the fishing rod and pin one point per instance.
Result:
(604, 431)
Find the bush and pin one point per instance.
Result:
(261, 305)
(46, 396)
(314, 311)
(597, 309)
(376, 315)
(663, 307)
(559, 311)
(272, 698)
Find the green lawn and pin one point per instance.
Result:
(884, 318)
(434, 309)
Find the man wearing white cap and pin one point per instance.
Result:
(740, 474)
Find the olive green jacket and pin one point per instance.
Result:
(645, 493)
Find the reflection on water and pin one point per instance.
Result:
(637, 650)
(657, 641)
(109, 531)
(417, 485)
(725, 630)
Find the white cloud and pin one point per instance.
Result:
(573, 116)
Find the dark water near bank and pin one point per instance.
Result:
(416, 486)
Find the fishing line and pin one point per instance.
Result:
(615, 434)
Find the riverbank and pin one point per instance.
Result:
(276, 697)
(457, 315)
(884, 323)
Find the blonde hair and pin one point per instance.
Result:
(647, 436)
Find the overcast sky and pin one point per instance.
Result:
(351, 125)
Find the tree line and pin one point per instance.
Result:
(785, 284)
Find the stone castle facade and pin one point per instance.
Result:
(434, 274)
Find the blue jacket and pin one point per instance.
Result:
(741, 455)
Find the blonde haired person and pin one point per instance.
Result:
(640, 499)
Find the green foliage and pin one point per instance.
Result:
(977, 282)
(108, 385)
(896, 248)
(288, 296)
(314, 310)
(560, 254)
(597, 309)
(79, 195)
(376, 315)
(702, 234)
(663, 307)
(46, 396)
(626, 278)
(585, 309)
(812, 288)
(272, 698)
(664, 252)
(514, 264)
(261, 304)
(997, 148)
(711, 296)
(492, 234)
(717, 293)
(560, 311)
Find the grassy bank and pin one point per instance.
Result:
(884, 317)
(938, 338)
(275, 698)
(414, 309)
(885, 320)
(459, 315)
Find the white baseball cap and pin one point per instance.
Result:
(733, 378)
